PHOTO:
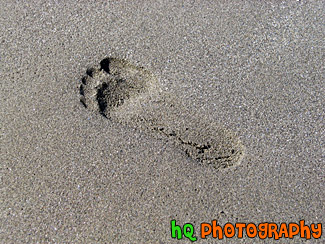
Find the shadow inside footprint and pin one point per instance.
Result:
(128, 94)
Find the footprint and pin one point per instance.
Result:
(131, 95)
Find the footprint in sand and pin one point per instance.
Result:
(131, 95)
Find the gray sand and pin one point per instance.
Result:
(254, 69)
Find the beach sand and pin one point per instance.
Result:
(229, 76)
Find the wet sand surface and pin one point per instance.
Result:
(253, 70)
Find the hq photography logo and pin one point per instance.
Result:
(251, 230)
